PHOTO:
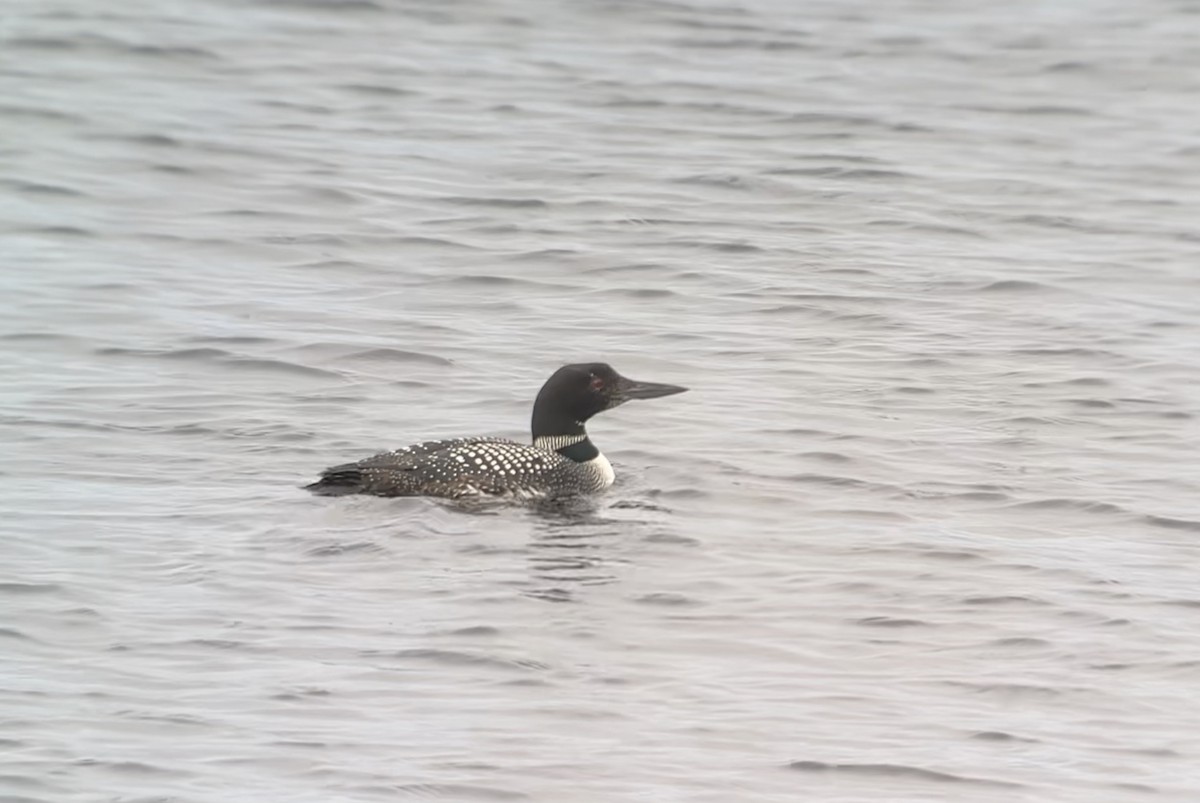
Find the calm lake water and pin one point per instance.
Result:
(926, 528)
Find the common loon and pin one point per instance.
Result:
(562, 460)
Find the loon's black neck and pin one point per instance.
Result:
(580, 451)
(575, 446)
(558, 423)
(563, 435)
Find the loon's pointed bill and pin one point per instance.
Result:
(562, 460)
(633, 389)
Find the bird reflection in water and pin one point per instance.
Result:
(575, 542)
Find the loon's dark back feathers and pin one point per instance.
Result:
(455, 468)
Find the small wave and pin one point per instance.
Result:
(170, 719)
(240, 213)
(1129, 786)
(301, 744)
(1156, 752)
(42, 43)
(153, 140)
(896, 770)
(805, 431)
(1058, 111)
(1096, 404)
(217, 643)
(138, 768)
(169, 354)
(1053, 222)
(1063, 503)
(742, 110)
(1181, 603)
(10, 111)
(1003, 599)
(63, 231)
(1020, 641)
(279, 103)
(456, 791)
(1173, 524)
(171, 51)
(828, 457)
(1064, 352)
(501, 203)
(458, 658)
(474, 630)
(853, 120)
(183, 429)
(489, 280)
(334, 550)
(30, 588)
(767, 45)
(550, 595)
(263, 364)
(716, 180)
(378, 89)
(671, 538)
(1024, 690)
(1001, 736)
(1013, 286)
(680, 494)
(233, 340)
(302, 694)
(388, 354)
(981, 496)
(219, 356)
(666, 598)
(50, 336)
(842, 482)
(728, 247)
(330, 194)
(932, 228)
(1035, 421)
(557, 254)
(436, 242)
(888, 621)
(12, 633)
(638, 292)
(843, 173)
(37, 188)
(303, 239)
(877, 515)
(330, 5)
(957, 555)
(28, 782)
(1068, 66)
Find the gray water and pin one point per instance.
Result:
(925, 528)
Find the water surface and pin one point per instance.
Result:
(925, 529)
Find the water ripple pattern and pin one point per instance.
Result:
(925, 529)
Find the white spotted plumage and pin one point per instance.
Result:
(476, 466)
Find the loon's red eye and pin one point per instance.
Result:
(597, 383)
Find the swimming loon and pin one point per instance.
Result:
(562, 460)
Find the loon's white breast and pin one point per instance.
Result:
(600, 465)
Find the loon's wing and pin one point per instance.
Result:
(448, 468)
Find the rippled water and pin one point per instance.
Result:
(925, 529)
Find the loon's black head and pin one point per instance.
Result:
(575, 393)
